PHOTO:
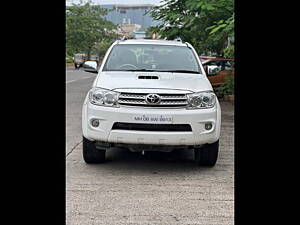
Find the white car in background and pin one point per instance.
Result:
(151, 95)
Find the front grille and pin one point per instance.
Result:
(167, 100)
(152, 127)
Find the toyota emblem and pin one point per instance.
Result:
(153, 99)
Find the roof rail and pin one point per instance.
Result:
(187, 44)
(178, 39)
(124, 38)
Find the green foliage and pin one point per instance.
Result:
(222, 31)
(101, 47)
(228, 86)
(69, 59)
(151, 30)
(229, 51)
(85, 27)
(206, 24)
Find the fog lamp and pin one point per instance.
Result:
(95, 122)
(208, 126)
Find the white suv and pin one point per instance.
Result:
(151, 95)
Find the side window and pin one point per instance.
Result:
(229, 65)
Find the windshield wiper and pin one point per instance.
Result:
(132, 70)
(181, 71)
(168, 71)
(141, 70)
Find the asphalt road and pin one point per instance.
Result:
(155, 188)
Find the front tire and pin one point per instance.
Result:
(207, 155)
(91, 154)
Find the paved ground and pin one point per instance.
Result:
(77, 85)
(155, 188)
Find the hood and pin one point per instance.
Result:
(187, 82)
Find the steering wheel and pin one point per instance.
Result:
(130, 65)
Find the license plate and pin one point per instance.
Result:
(153, 118)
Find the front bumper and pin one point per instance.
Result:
(109, 115)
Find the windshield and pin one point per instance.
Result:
(139, 57)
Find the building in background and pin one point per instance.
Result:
(130, 14)
(128, 30)
(139, 34)
(129, 27)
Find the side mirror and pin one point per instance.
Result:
(90, 66)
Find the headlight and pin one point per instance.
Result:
(99, 96)
(201, 100)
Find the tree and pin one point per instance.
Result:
(191, 19)
(101, 47)
(151, 30)
(224, 31)
(85, 27)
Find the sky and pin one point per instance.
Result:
(109, 2)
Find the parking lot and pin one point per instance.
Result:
(154, 188)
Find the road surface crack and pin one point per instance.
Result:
(73, 149)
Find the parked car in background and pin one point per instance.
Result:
(94, 58)
(79, 59)
(217, 69)
(204, 58)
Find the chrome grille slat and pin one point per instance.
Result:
(131, 102)
(131, 97)
(173, 102)
(167, 100)
(173, 98)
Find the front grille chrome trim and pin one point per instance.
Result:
(167, 100)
